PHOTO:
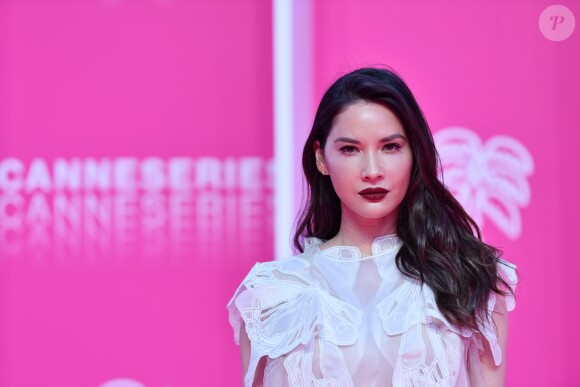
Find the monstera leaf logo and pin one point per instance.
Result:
(489, 179)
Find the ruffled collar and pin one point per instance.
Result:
(381, 245)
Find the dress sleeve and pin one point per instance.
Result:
(235, 316)
(507, 271)
(282, 308)
(269, 304)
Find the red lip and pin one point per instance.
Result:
(373, 191)
(373, 194)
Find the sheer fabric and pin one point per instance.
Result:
(331, 318)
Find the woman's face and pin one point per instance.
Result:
(369, 160)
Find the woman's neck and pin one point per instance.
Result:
(361, 233)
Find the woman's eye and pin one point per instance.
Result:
(348, 149)
(392, 147)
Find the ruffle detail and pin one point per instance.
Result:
(282, 308)
(293, 312)
(311, 243)
(300, 363)
(411, 304)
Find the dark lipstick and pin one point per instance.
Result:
(373, 194)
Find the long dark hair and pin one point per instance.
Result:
(442, 244)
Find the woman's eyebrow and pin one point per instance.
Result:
(393, 136)
(386, 139)
(346, 139)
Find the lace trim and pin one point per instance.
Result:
(380, 245)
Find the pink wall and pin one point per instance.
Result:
(487, 67)
(159, 116)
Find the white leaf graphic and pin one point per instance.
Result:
(490, 180)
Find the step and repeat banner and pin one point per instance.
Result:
(136, 148)
(135, 187)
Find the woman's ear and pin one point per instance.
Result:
(320, 160)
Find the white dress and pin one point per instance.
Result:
(331, 318)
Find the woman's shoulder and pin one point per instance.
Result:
(288, 291)
(279, 277)
(282, 305)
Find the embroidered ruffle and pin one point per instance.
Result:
(411, 304)
(282, 308)
(286, 308)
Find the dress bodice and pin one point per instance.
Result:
(334, 318)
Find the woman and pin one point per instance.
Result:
(393, 285)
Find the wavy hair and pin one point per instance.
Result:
(442, 245)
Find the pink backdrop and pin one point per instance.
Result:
(135, 170)
(135, 153)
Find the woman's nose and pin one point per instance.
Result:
(372, 168)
